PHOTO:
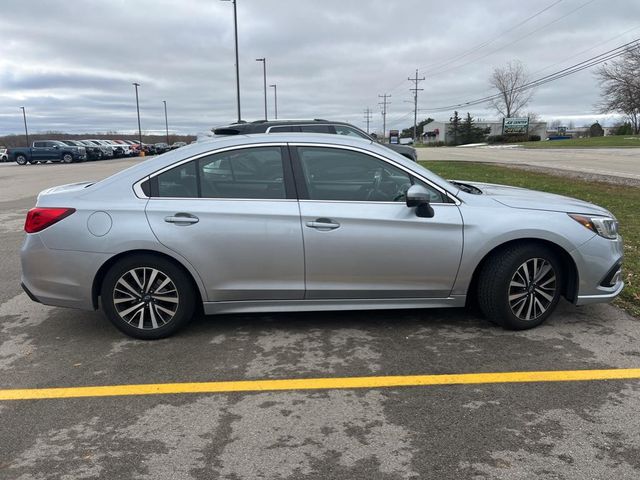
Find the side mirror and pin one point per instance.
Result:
(418, 196)
(56, 147)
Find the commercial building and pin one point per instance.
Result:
(437, 131)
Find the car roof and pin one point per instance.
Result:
(260, 126)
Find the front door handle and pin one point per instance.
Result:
(323, 224)
(182, 219)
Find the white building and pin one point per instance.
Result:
(439, 131)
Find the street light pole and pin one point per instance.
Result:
(235, 32)
(264, 71)
(136, 85)
(166, 120)
(26, 132)
(275, 98)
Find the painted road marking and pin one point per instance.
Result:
(320, 384)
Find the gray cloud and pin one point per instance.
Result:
(71, 64)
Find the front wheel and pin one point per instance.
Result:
(520, 287)
(67, 158)
(148, 297)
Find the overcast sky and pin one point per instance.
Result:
(72, 63)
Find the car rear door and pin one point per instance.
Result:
(360, 238)
(234, 216)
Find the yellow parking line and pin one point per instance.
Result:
(320, 383)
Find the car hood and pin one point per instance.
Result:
(516, 197)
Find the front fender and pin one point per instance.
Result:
(488, 229)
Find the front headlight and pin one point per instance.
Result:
(606, 227)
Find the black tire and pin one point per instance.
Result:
(66, 158)
(501, 298)
(21, 159)
(186, 297)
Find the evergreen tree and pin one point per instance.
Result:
(455, 129)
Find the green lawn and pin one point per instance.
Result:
(623, 201)
(613, 141)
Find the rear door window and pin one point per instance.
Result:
(244, 173)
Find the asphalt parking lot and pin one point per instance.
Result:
(497, 429)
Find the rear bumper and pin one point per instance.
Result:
(61, 278)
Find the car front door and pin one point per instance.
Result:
(41, 151)
(234, 216)
(360, 238)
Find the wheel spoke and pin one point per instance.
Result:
(126, 312)
(134, 275)
(152, 278)
(516, 296)
(154, 323)
(164, 298)
(122, 281)
(544, 294)
(141, 320)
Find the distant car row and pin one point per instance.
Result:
(68, 151)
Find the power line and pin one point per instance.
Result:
(415, 91)
(384, 104)
(490, 41)
(578, 67)
(441, 72)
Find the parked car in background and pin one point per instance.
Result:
(42, 151)
(309, 126)
(162, 147)
(3, 154)
(119, 150)
(125, 146)
(93, 152)
(107, 150)
(300, 222)
(175, 145)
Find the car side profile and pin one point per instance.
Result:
(301, 222)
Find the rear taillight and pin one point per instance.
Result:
(40, 218)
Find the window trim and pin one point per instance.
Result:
(302, 186)
(289, 183)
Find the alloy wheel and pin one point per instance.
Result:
(146, 298)
(532, 289)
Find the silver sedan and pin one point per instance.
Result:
(296, 222)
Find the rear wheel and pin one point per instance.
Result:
(21, 159)
(519, 287)
(147, 297)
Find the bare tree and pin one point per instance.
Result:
(620, 81)
(509, 80)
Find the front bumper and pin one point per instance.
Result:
(599, 263)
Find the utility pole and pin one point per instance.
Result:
(384, 104)
(264, 71)
(166, 120)
(235, 32)
(367, 117)
(138, 109)
(415, 91)
(275, 98)
(26, 132)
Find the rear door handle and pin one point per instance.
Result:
(323, 224)
(182, 218)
